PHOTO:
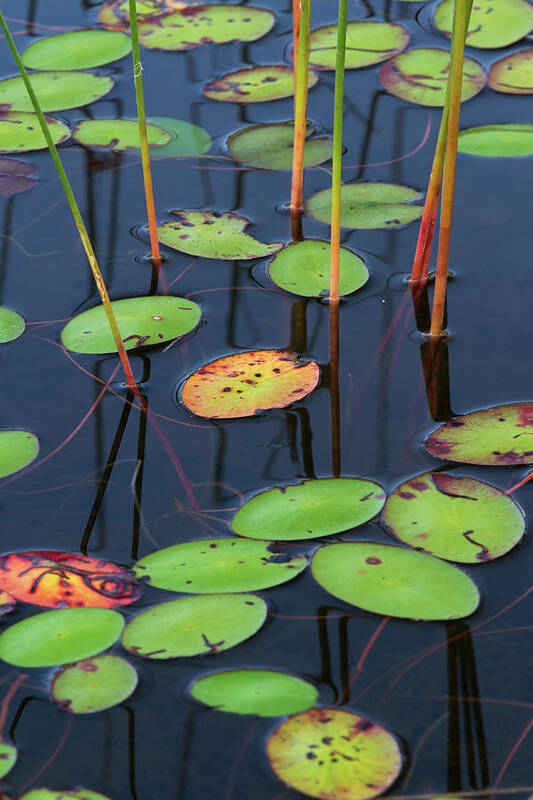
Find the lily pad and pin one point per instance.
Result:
(142, 321)
(218, 565)
(309, 509)
(61, 580)
(17, 450)
(255, 691)
(8, 758)
(194, 626)
(76, 50)
(59, 637)
(115, 14)
(7, 603)
(453, 517)
(366, 43)
(117, 134)
(12, 325)
(256, 84)
(213, 234)
(56, 91)
(20, 132)
(330, 754)
(63, 794)
(303, 268)
(368, 205)
(245, 384)
(513, 74)
(94, 684)
(15, 178)
(394, 581)
(188, 139)
(270, 146)
(420, 76)
(492, 24)
(493, 436)
(497, 141)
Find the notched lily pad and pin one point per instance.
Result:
(63, 794)
(332, 754)
(368, 205)
(8, 758)
(497, 141)
(12, 324)
(56, 91)
(115, 14)
(76, 50)
(94, 684)
(244, 384)
(15, 177)
(187, 139)
(492, 23)
(270, 146)
(17, 450)
(20, 132)
(256, 84)
(513, 74)
(303, 268)
(366, 43)
(117, 134)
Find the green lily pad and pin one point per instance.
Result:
(243, 384)
(218, 565)
(117, 134)
(59, 637)
(17, 450)
(366, 43)
(492, 24)
(492, 436)
(394, 581)
(497, 141)
(63, 794)
(304, 268)
(333, 754)
(270, 146)
(8, 758)
(188, 139)
(142, 321)
(368, 205)
(194, 626)
(255, 691)
(20, 132)
(256, 84)
(76, 50)
(56, 91)
(513, 74)
(15, 178)
(12, 325)
(420, 76)
(456, 518)
(309, 509)
(213, 234)
(94, 684)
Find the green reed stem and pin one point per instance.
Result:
(296, 12)
(300, 115)
(84, 236)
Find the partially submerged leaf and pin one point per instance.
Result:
(8, 758)
(333, 754)
(310, 509)
(304, 268)
(56, 91)
(513, 74)
(492, 24)
(367, 42)
(17, 450)
(94, 684)
(63, 794)
(15, 178)
(270, 146)
(497, 141)
(188, 139)
(117, 134)
(76, 50)
(20, 132)
(7, 603)
(255, 84)
(244, 384)
(115, 14)
(12, 324)
(368, 205)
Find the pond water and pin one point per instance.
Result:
(455, 694)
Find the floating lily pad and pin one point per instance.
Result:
(420, 76)
(213, 234)
(12, 325)
(193, 626)
(513, 74)
(218, 565)
(394, 581)
(7, 603)
(142, 321)
(497, 141)
(256, 84)
(94, 684)
(15, 178)
(56, 91)
(492, 436)
(492, 24)
(63, 794)
(270, 146)
(366, 43)
(456, 518)
(20, 132)
(244, 384)
(59, 637)
(115, 14)
(188, 139)
(333, 754)
(8, 758)
(117, 134)
(17, 450)
(309, 509)
(368, 205)
(76, 50)
(304, 268)
(60, 580)
(255, 691)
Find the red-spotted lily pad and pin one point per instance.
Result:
(245, 384)
(270, 146)
(15, 178)
(8, 758)
(333, 754)
(17, 450)
(20, 132)
(76, 50)
(256, 84)
(304, 268)
(117, 134)
(63, 794)
(194, 626)
(420, 76)
(513, 74)
(368, 205)
(60, 580)
(12, 324)
(213, 234)
(56, 91)
(366, 43)
(454, 517)
(309, 509)
(492, 436)
(7, 603)
(492, 24)
(497, 141)
(187, 139)
(115, 14)
(94, 684)
(394, 581)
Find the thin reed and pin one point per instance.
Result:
(300, 118)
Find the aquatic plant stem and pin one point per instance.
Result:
(296, 13)
(4, 707)
(300, 119)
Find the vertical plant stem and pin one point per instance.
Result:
(300, 119)
(296, 12)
